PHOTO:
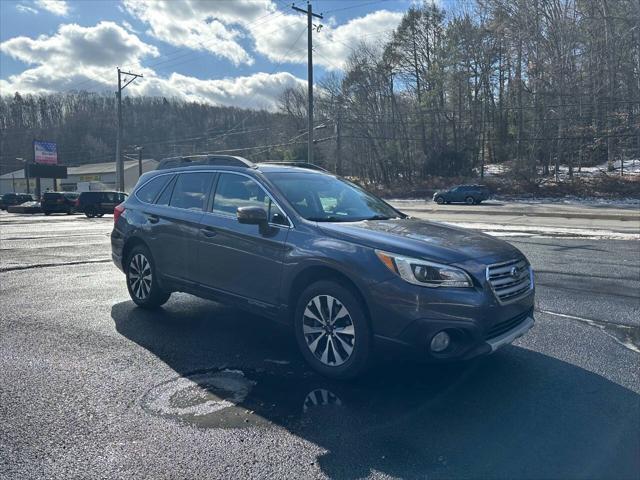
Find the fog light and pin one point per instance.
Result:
(440, 342)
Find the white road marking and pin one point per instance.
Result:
(625, 341)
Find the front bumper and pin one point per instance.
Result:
(408, 317)
(509, 336)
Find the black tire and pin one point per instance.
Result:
(148, 294)
(439, 200)
(47, 213)
(358, 359)
(89, 212)
(470, 200)
(100, 215)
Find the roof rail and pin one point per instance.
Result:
(218, 160)
(310, 166)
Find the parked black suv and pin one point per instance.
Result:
(59, 202)
(310, 249)
(96, 204)
(9, 199)
(469, 194)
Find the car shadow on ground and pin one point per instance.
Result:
(515, 414)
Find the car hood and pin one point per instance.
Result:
(429, 240)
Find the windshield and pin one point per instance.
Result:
(323, 198)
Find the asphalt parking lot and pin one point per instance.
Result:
(92, 387)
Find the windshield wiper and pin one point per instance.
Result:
(331, 218)
(380, 217)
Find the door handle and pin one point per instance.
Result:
(209, 232)
(153, 219)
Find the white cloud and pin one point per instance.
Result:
(332, 44)
(258, 91)
(57, 7)
(219, 26)
(90, 56)
(207, 26)
(73, 55)
(106, 44)
(26, 9)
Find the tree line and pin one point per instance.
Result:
(531, 83)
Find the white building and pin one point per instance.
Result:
(93, 176)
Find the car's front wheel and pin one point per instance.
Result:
(332, 330)
(470, 200)
(142, 281)
(439, 200)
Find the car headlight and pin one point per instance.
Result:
(422, 272)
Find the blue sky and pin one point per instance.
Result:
(228, 52)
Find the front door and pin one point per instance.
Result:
(240, 259)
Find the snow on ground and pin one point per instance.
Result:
(545, 232)
(567, 200)
(630, 167)
(571, 200)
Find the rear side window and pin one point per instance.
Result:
(152, 188)
(165, 196)
(190, 190)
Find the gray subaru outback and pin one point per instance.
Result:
(347, 271)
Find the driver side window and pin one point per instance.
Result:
(234, 191)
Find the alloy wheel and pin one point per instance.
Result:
(328, 330)
(140, 276)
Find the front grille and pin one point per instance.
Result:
(509, 280)
(503, 327)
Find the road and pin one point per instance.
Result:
(91, 387)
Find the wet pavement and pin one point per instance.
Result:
(93, 387)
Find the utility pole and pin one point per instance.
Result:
(339, 142)
(139, 149)
(310, 15)
(119, 162)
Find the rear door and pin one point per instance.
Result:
(241, 259)
(174, 221)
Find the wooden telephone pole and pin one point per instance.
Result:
(119, 161)
(310, 15)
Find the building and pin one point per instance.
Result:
(93, 176)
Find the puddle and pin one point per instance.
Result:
(232, 398)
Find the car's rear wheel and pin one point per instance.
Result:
(142, 281)
(470, 200)
(332, 330)
(439, 200)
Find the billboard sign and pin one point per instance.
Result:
(45, 171)
(45, 153)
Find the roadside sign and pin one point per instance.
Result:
(45, 153)
(34, 170)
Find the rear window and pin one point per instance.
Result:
(190, 190)
(149, 191)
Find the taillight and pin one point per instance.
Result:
(119, 210)
(77, 202)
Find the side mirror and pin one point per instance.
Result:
(252, 216)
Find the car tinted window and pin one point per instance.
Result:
(235, 191)
(148, 192)
(190, 190)
(165, 196)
